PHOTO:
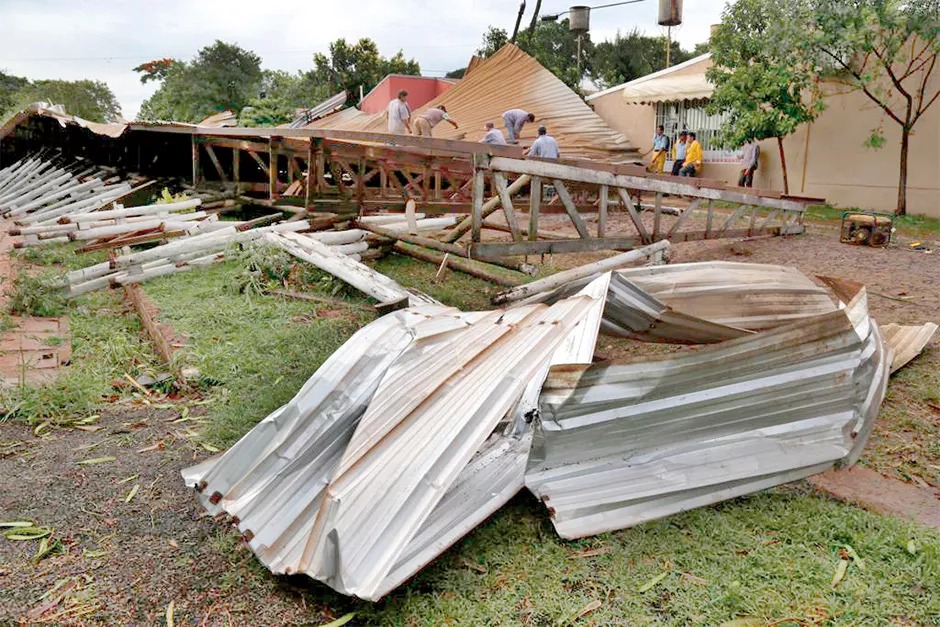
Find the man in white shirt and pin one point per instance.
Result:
(431, 118)
(399, 115)
(544, 146)
(493, 135)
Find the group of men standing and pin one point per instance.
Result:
(689, 156)
(399, 117)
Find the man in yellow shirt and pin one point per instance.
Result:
(693, 158)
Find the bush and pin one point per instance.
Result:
(39, 294)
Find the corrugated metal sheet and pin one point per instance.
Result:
(330, 485)
(907, 342)
(321, 110)
(706, 302)
(621, 444)
(512, 79)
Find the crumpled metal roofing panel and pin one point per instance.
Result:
(330, 484)
(512, 79)
(705, 302)
(907, 341)
(621, 444)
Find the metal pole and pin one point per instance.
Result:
(668, 45)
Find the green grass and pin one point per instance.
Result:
(453, 288)
(105, 345)
(909, 226)
(260, 349)
(771, 556)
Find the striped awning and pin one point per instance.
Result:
(669, 89)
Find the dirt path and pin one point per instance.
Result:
(121, 561)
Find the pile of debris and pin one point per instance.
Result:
(429, 419)
(36, 192)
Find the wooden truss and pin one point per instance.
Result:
(347, 172)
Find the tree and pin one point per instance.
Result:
(493, 39)
(763, 89)
(10, 87)
(281, 95)
(91, 100)
(360, 65)
(626, 58)
(222, 77)
(887, 49)
(552, 44)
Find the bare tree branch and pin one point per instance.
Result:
(863, 87)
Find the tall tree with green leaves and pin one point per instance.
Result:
(221, 77)
(10, 87)
(552, 44)
(281, 95)
(358, 66)
(765, 91)
(888, 50)
(91, 100)
(628, 57)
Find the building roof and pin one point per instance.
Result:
(511, 79)
(653, 76)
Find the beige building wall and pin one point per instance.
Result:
(827, 158)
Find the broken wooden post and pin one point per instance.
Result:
(273, 143)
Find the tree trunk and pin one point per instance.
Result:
(783, 165)
(902, 179)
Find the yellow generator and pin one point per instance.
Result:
(866, 228)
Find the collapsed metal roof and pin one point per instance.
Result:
(511, 79)
(419, 427)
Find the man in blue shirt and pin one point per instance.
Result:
(660, 150)
(544, 146)
(681, 145)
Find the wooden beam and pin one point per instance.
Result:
(583, 175)
(657, 216)
(541, 247)
(602, 211)
(236, 169)
(196, 169)
(731, 220)
(467, 266)
(693, 206)
(627, 203)
(477, 214)
(489, 207)
(272, 168)
(505, 200)
(535, 204)
(215, 162)
(260, 162)
(565, 198)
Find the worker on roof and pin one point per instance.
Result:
(681, 146)
(431, 118)
(493, 135)
(398, 114)
(692, 165)
(660, 150)
(515, 119)
(544, 146)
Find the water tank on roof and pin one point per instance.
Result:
(579, 19)
(670, 12)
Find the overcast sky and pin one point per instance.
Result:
(104, 39)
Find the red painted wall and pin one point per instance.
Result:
(421, 90)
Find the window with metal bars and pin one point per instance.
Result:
(691, 116)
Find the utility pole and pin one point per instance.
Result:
(668, 45)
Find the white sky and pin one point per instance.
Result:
(104, 39)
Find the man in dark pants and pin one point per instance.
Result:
(749, 163)
(680, 152)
